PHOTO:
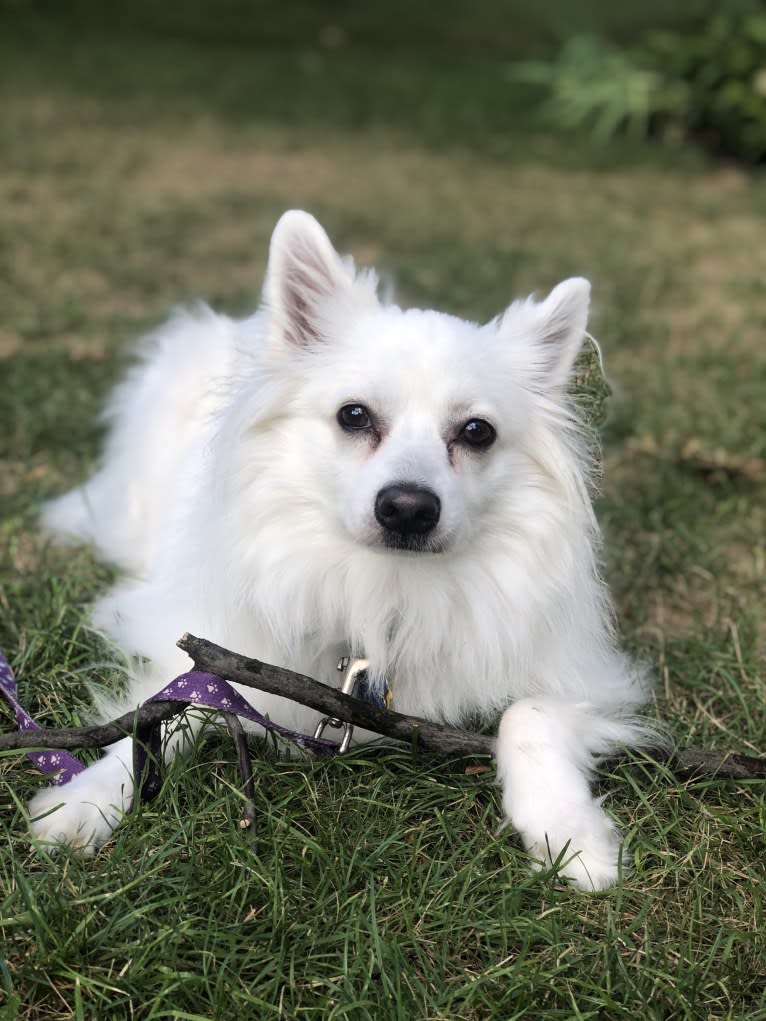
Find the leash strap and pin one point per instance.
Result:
(209, 691)
(59, 765)
(206, 691)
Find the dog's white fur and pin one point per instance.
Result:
(244, 512)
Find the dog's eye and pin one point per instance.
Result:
(354, 416)
(478, 434)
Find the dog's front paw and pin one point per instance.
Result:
(586, 852)
(56, 820)
(83, 813)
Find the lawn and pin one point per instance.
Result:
(145, 166)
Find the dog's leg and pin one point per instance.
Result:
(85, 812)
(545, 757)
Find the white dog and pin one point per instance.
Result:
(335, 475)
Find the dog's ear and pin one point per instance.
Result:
(304, 275)
(548, 334)
(560, 323)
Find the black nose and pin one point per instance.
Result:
(407, 510)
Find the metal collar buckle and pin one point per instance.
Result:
(354, 669)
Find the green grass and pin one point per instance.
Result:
(141, 168)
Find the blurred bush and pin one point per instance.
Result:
(708, 83)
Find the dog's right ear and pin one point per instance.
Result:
(305, 277)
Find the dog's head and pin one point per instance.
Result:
(415, 431)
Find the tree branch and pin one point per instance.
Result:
(96, 736)
(252, 673)
(449, 742)
(685, 763)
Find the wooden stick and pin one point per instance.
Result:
(237, 731)
(446, 741)
(685, 763)
(96, 736)
(449, 742)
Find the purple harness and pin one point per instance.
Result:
(207, 691)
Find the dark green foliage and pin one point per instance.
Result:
(719, 71)
(707, 81)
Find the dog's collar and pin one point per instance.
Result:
(378, 693)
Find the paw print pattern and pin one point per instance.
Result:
(60, 765)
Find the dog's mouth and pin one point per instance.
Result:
(410, 543)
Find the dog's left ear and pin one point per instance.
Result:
(305, 276)
(559, 329)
